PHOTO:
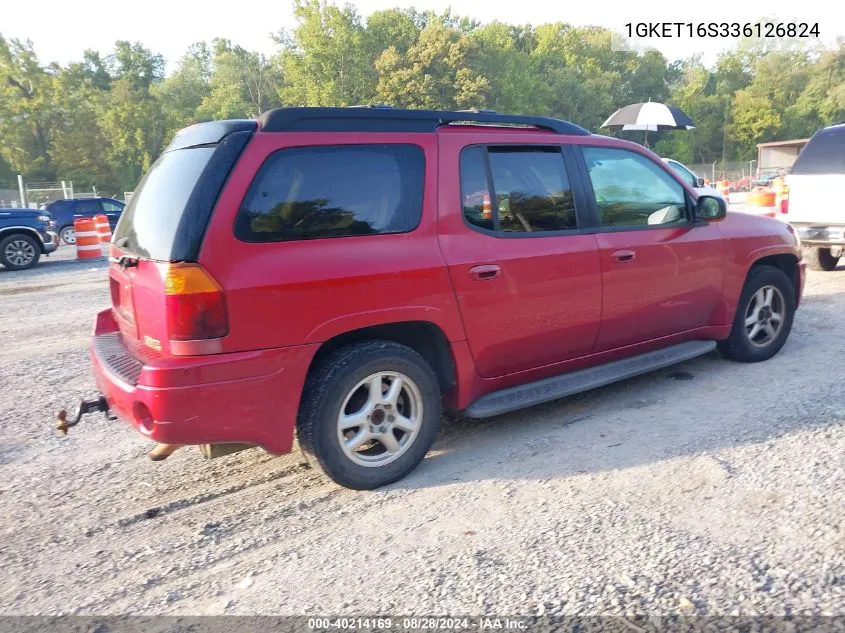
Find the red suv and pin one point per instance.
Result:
(351, 273)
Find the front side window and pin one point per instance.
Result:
(306, 193)
(531, 186)
(630, 190)
(88, 207)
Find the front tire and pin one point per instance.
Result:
(763, 316)
(370, 413)
(819, 258)
(19, 252)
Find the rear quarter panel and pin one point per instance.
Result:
(291, 293)
(750, 238)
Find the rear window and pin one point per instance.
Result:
(307, 193)
(824, 154)
(150, 222)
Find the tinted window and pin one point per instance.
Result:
(475, 189)
(149, 224)
(631, 190)
(87, 207)
(58, 206)
(824, 154)
(531, 187)
(334, 191)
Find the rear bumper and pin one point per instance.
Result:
(820, 234)
(248, 397)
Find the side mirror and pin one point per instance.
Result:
(699, 182)
(709, 208)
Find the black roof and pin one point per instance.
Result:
(380, 118)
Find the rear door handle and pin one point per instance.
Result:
(623, 257)
(484, 272)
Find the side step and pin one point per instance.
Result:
(515, 398)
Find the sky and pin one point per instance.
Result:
(62, 30)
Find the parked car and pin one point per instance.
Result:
(66, 211)
(334, 271)
(25, 235)
(691, 178)
(768, 179)
(814, 207)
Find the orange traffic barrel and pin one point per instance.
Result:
(762, 202)
(724, 188)
(103, 228)
(87, 239)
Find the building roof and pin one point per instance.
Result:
(794, 142)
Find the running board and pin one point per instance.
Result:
(515, 398)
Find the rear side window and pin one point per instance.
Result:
(824, 154)
(307, 193)
(530, 185)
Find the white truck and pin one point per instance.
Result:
(815, 208)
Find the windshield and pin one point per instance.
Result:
(149, 225)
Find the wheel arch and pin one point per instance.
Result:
(23, 230)
(785, 262)
(424, 337)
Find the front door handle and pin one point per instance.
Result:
(623, 257)
(484, 272)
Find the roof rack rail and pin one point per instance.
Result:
(389, 119)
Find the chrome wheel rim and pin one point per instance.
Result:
(68, 235)
(20, 252)
(764, 316)
(380, 419)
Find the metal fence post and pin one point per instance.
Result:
(22, 190)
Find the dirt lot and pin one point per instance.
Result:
(712, 487)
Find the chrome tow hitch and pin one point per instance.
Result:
(84, 407)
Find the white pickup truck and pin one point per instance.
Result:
(815, 208)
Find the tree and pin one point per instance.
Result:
(324, 60)
(435, 72)
(28, 112)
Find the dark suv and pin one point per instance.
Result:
(66, 211)
(25, 235)
(349, 273)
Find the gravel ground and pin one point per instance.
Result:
(711, 488)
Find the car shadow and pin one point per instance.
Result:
(702, 406)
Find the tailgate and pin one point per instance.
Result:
(816, 198)
(138, 304)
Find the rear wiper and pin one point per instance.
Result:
(124, 261)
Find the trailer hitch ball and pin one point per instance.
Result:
(86, 406)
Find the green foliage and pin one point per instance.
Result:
(104, 119)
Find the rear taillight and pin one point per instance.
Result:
(196, 305)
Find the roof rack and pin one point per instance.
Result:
(382, 118)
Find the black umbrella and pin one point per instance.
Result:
(650, 117)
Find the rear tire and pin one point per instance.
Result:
(819, 258)
(68, 235)
(763, 316)
(364, 428)
(19, 252)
